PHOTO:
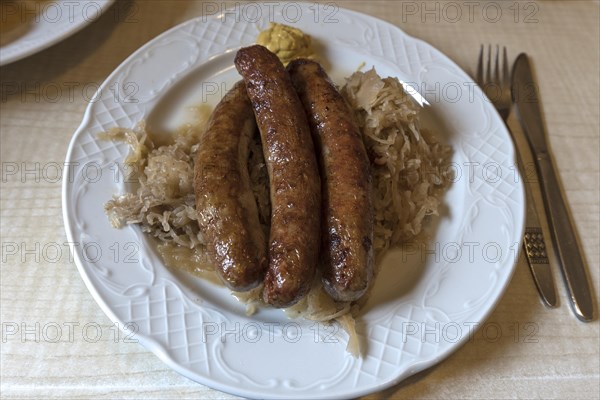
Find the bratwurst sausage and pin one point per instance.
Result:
(228, 215)
(347, 210)
(293, 174)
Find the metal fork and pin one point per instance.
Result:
(498, 89)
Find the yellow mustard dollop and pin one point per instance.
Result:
(287, 42)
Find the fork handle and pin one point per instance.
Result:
(572, 266)
(536, 250)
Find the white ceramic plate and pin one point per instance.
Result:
(46, 23)
(427, 300)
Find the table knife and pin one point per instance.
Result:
(573, 269)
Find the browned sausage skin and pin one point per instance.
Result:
(347, 211)
(293, 174)
(228, 215)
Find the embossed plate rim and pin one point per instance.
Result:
(43, 36)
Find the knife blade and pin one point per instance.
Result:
(562, 231)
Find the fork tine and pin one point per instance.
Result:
(480, 67)
(496, 67)
(505, 73)
(488, 72)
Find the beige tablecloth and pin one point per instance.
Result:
(539, 353)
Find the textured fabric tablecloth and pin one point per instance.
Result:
(539, 353)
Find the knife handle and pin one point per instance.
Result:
(572, 265)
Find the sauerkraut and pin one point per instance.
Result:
(162, 203)
(408, 165)
(408, 182)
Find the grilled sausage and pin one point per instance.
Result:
(347, 210)
(293, 175)
(228, 215)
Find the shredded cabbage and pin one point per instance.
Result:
(408, 164)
